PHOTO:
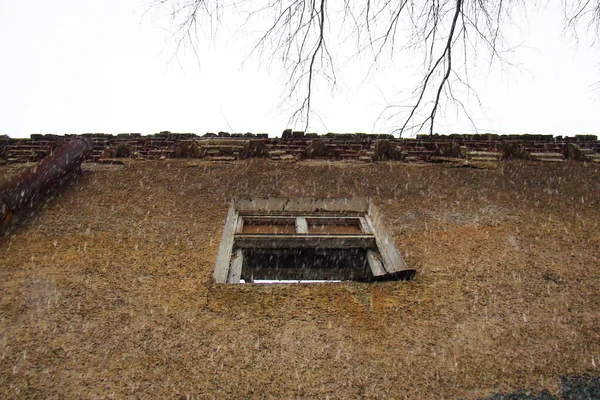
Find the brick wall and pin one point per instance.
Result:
(295, 145)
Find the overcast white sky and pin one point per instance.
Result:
(75, 66)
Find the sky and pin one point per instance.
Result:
(111, 66)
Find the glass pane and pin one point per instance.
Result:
(268, 227)
(329, 229)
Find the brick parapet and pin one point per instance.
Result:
(297, 145)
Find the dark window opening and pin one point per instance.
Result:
(304, 264)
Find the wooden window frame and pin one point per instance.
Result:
(384, 260)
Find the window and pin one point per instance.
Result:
(306, 239)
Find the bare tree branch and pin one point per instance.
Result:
(447, 34)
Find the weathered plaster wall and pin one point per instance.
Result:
(107, 291)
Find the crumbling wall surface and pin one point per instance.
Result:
(296, 145)
(107, 290)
